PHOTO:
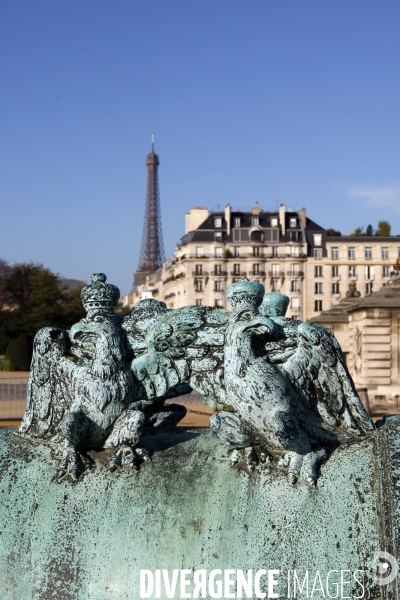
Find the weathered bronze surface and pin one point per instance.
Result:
(286, 381)
(187, 510)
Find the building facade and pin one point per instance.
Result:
(284, 250)
(366, 261)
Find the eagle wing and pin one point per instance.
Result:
(318, 370)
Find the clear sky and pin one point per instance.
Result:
(274, 101)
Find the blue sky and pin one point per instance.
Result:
(270, 101)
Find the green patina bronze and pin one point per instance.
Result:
(132, 492)
(187, 510)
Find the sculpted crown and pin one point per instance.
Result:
(245, 293)
(274, 305)
(99, 294)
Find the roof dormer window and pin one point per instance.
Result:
(254, 221)
(274, 222)
(218, 222)
(293, 222)
(237, 221)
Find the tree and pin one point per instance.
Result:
(19, 354)
(369, 231)
(333, 233)
(384, 229)
(359, 231)
(32, 297)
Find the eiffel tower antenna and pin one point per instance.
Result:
(152, 249)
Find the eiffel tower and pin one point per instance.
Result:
(152, 249)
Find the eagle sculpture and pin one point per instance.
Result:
(292, 399)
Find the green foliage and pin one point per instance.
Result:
(333, 232)
(384, 229)
(19, 354)
(32, 297)
(369, 230)
(358, 232)
(227, 253)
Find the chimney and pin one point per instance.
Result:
(302, 215)
(195, 217)
(228, 218)
(256, 209)
(282, 222)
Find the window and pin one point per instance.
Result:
(317, 239)
(275, 270)
(317, 253)
(218, 286)
(294, 268)
(335, 253)
(368, 252)
(274, 252)
(295, 236)
(275, 285)
(236, 251)
(295, 303)
(317, 305)
(237, 221)
(335, 289)
(352, 272)
(256, 269)
(256, 250)
(218, 302)
(218, 222)
(199, 251)
(199, 270)
(385, 272)
(385, 252)
(318, 288)
(199, 301)
(369, 272)
(217, 269)
(240, 235)
(369, 287)
(335, 271)
(218, 236)
(272, 235)
(274, 222)
(254, 221)
(318, 271)
(398, 252)
(294, 285)
(293, 222)
(294, 251)
(236, 269)
(351, 252)
(198, 285)
(218, 252)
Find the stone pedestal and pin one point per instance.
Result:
(189, 509)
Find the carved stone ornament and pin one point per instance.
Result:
(293, 400)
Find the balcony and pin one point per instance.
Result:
(275, 274)
(336, 277)
(239, 274)
(353, 277)
(295, 273)
(220, 274)
(202, 274)
(370, 277)
(257, 274)
(166, 281)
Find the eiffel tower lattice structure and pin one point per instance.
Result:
(152, 249)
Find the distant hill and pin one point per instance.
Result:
(69, 285)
